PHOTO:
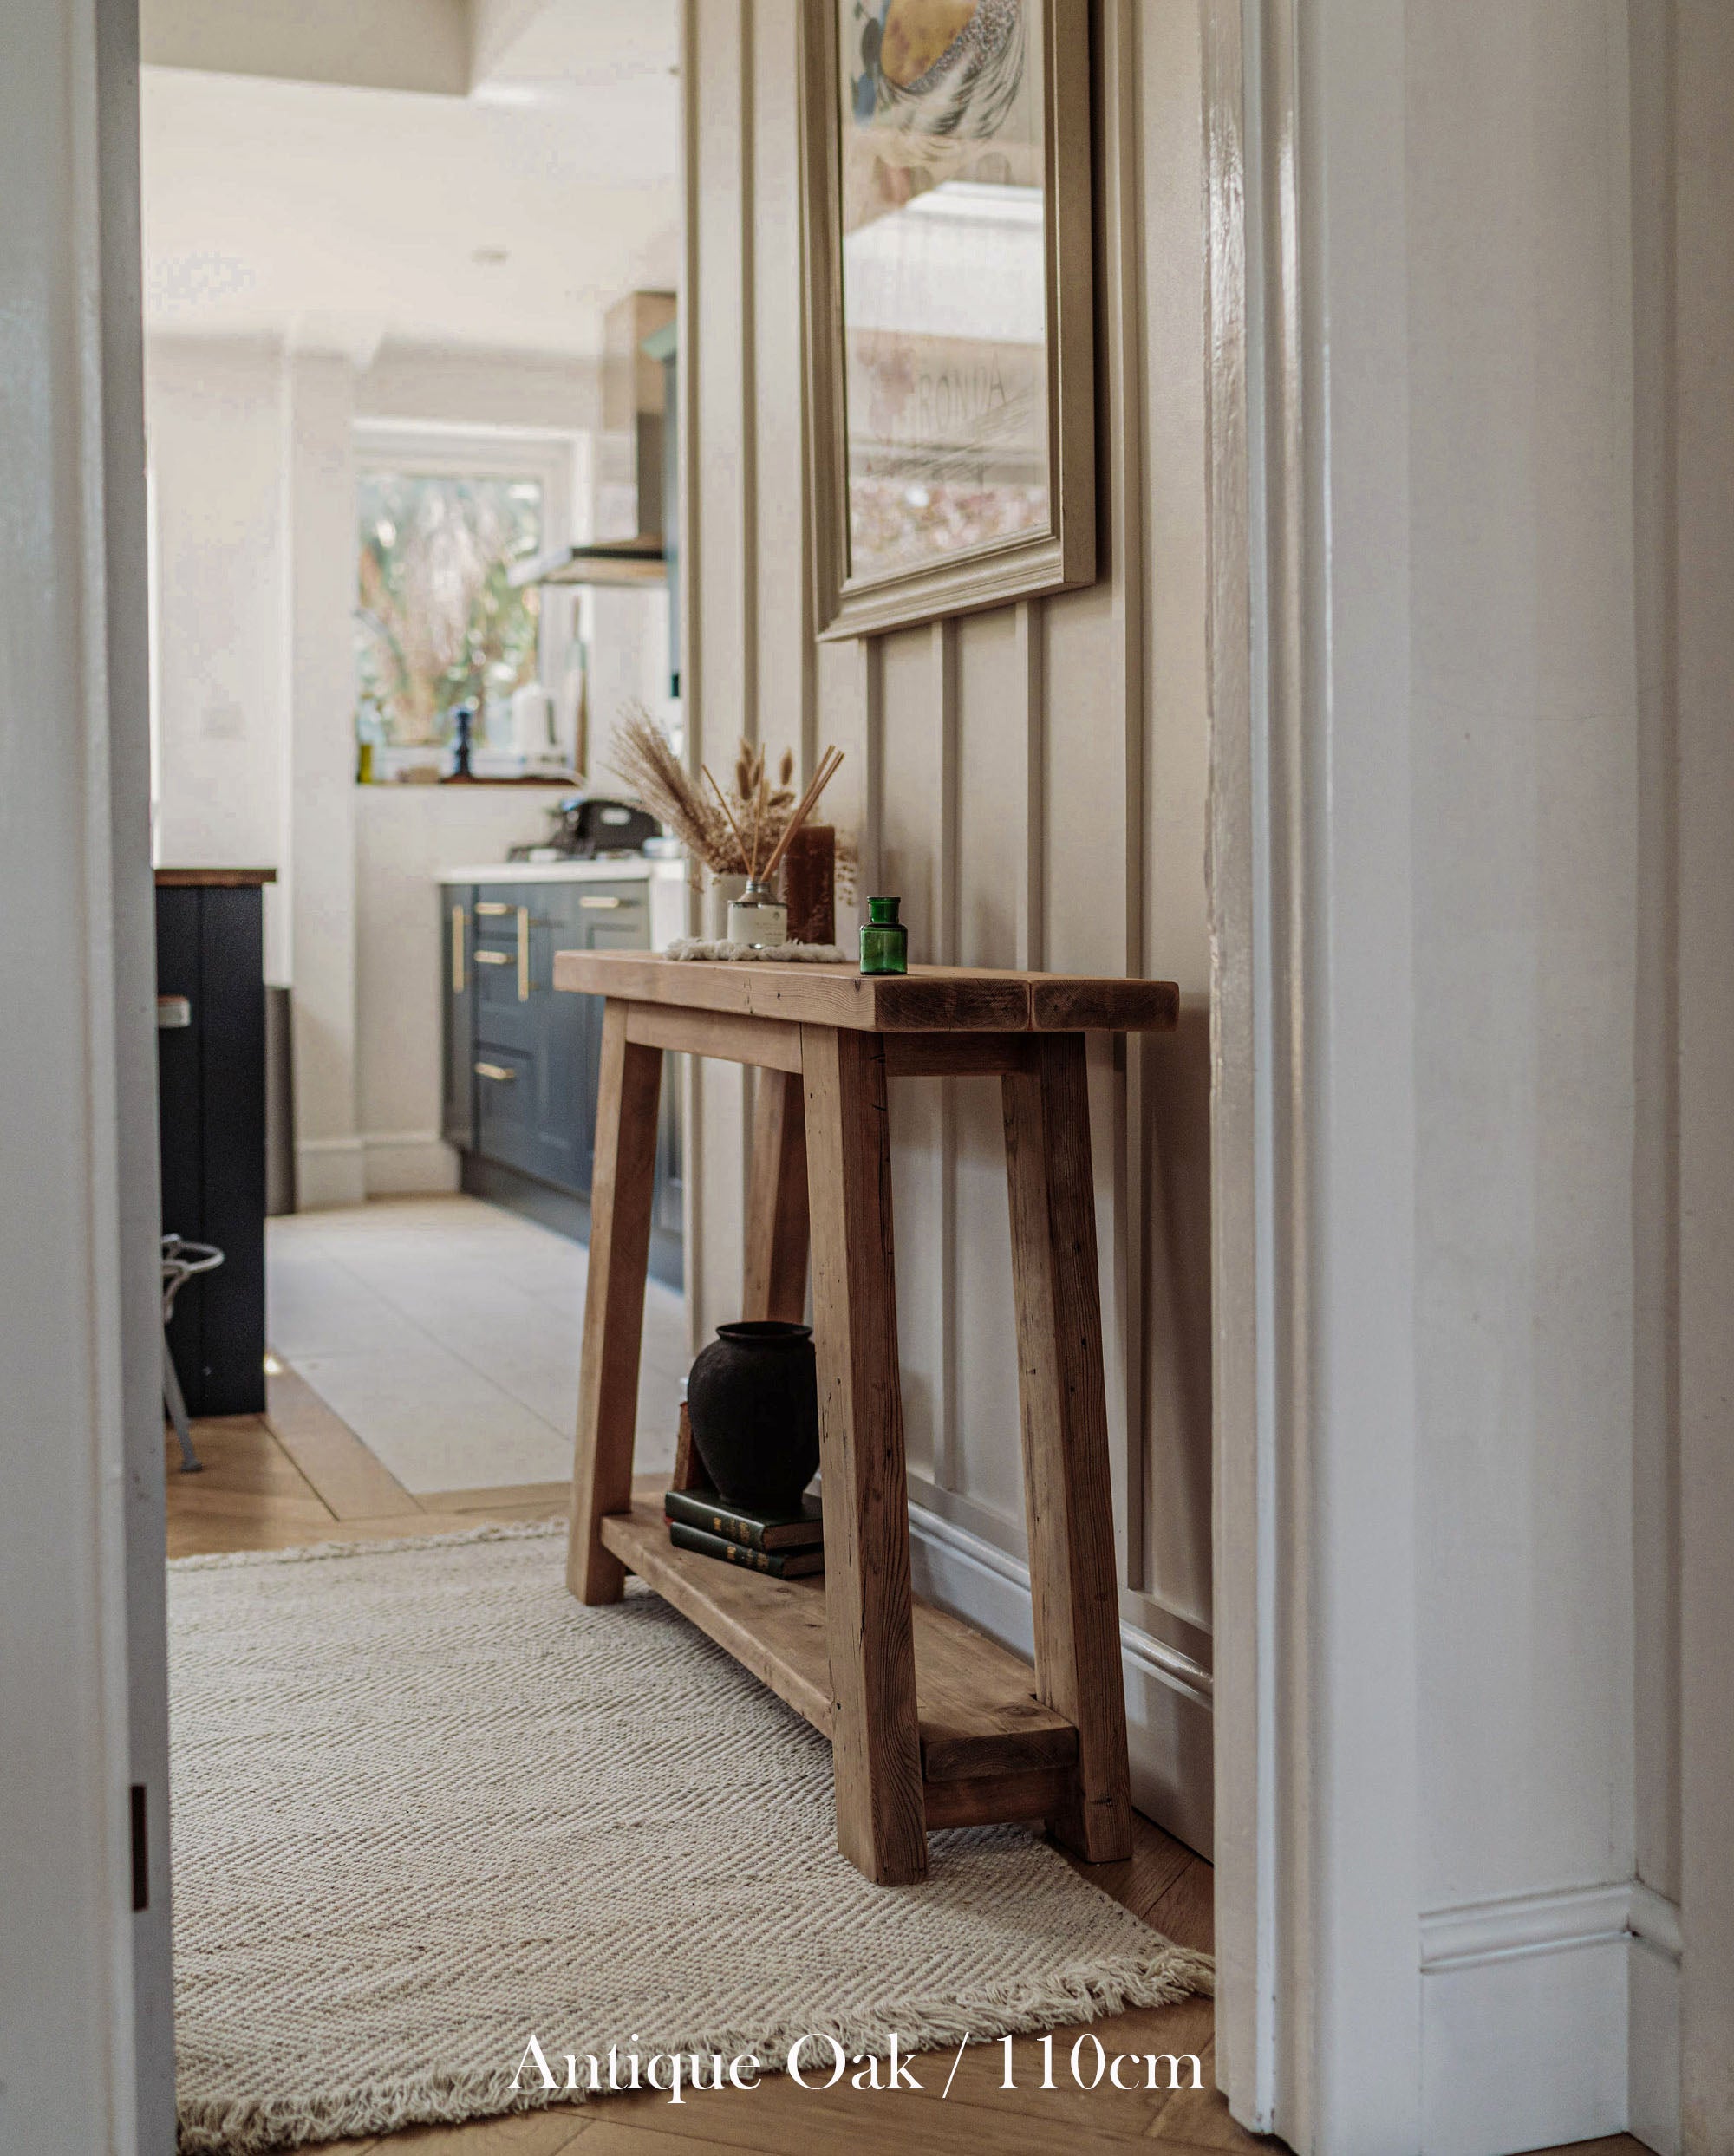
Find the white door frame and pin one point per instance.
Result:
(1317, 1796)
(86, 2030)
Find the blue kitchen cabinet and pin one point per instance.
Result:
(523, 1063)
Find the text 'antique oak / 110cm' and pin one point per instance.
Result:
(931, 1725)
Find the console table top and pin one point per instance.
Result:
(927, 999)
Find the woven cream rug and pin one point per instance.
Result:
(426, 1805)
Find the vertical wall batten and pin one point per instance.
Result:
(1121, 309)
(749, 389)
(692, 624)
(872, 651)
(944, 634)
(750, 625)
(1032, 883)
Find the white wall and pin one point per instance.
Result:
(386, 44)
(319, 438)
(215, 419)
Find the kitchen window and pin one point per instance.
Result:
(441, 521)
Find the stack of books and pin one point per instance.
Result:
(787, 1545)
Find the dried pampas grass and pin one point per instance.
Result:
(729, 833)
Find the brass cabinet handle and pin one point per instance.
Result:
(602, 904)
(494, 958)
(456, 950)
(523, 954)
(497, 1071)
(492, 906)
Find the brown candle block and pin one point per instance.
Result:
(810, 884)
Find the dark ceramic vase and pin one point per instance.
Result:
(754, 1399)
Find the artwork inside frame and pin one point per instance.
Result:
(950, 370)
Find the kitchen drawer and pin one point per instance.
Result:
(506, 1107)
(496, 909)
(623, 905)
(496, 904)
(504, 1019)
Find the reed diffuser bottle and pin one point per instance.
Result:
(884, 939)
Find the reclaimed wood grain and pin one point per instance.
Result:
(956, 1055)
(688, 1472)
(977, 1713)
(1063, 1409)
(874, 1738)
(730, 1036)
(622, 1196)
(937, 998)
(776, 1275)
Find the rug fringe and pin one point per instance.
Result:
(497, 1531)
(1160, 1979)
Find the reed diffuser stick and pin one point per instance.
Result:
(822, 778)
(723, 805)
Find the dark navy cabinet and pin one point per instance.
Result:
(211, 1081)
(521, 1062)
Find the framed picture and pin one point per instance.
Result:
(951, 406)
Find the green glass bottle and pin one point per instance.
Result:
(884, 939)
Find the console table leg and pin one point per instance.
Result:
(777, 1201)
(622, 1195)
(881, 1820)
(1063, 1400)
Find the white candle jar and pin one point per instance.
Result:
(758, 919)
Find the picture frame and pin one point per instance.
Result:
(946, 220)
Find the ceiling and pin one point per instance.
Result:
(337, 216)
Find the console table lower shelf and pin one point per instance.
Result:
(989, 1749)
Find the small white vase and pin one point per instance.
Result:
(723, 890)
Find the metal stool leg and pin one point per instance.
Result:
(190, 1461)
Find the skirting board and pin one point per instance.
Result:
(1549, 2019)
(409, 1164)
(1168, 1695)
(327, 1172)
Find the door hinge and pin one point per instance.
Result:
(141, 1852)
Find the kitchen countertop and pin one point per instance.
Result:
(213, 879)
(628, 867)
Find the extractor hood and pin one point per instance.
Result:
(633, 478)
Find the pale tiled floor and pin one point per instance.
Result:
(445, 1332)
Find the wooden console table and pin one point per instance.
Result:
(931, 1725)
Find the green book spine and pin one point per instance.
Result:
(754, 1531)
(791, 1565)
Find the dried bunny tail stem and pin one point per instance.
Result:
(724, 806)
(822, 778)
